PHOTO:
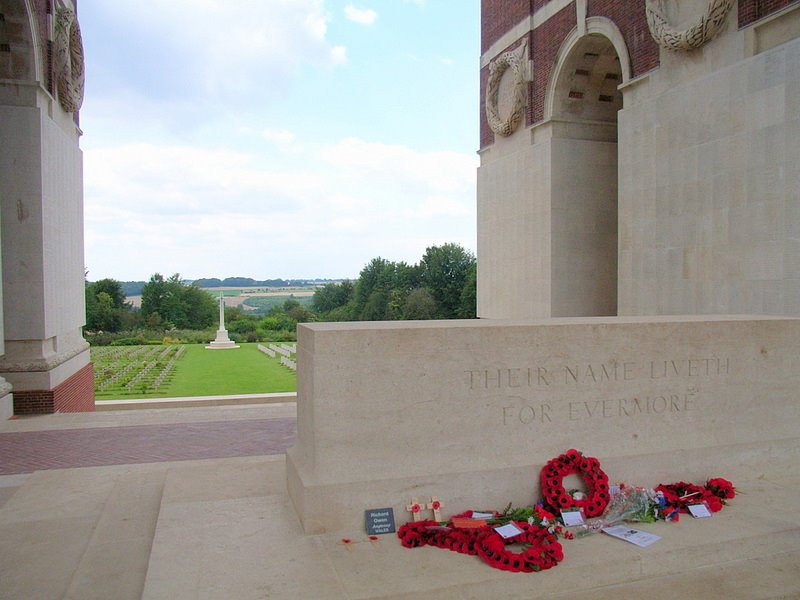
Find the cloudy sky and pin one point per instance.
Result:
(276, 138)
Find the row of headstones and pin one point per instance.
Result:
(126, 356)
(118, 375)
(144, 373)
(111, 353)
(274, 349)
(168, 368)
(267, 351)
(285, 351)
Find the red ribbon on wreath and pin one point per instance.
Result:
(572, 462)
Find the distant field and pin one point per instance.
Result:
(236, 296)
(194, 371)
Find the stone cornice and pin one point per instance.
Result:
(40, 365)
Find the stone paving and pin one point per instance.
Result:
(25, 452)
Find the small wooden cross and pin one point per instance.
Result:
(435, 504)
(415, 508)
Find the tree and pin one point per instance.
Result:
(469, 295)
(332, 296)
(177, 304)
(102, 315)
(382, 287)
(105, 305)
(297, 312)
(376, 306)
(376, 275)
(200, 310)
(113, 288)
(153, 294)
(419, 305)
(445, 270)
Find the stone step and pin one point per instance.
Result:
(227, 529)
(45, 528)
(211, 521)
(65, 531)
(9, 484)
(114, 564)
(756, 530)
(770, 577)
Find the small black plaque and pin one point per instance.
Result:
(379, 521)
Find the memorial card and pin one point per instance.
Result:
(508, 531)
(699, 511)
(572, 518)
(634, 536)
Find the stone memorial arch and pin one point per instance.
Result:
(44, 360)
(650, 171)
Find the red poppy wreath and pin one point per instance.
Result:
(572, 462)
(541, 549)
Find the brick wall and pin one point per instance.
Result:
(499, 16)
(76, 394)
(753, 10)
(631, 19)
(33, 403)
(545, 41)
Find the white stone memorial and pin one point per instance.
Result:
(222, 341)
(471, 410)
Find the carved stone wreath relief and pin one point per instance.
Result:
(513, 61)
(700, 31)
(68, 60)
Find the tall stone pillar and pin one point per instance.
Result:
(41, 200)
(6, 398)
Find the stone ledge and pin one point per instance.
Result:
(194, 401)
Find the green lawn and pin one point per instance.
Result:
(245, 370)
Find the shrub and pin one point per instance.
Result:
(128, 341)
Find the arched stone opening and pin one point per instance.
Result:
(582, 104)
(18, 47)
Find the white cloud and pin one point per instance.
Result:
(282, 137)
(228, 47)
(338, 55)
(209, 212)
(169, 179)
(441, 171)
(284, 140)
(362, 16)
